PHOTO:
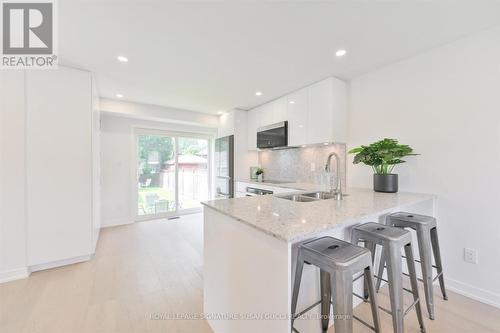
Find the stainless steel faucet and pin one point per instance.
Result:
(338, 190)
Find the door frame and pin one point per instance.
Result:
(137, 131)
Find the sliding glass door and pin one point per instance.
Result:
(172, 173)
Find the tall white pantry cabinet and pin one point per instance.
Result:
(61, 166)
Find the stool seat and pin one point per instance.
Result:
(339, 253)
(381, 232)
(412, 219)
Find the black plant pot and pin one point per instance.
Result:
(385, 183)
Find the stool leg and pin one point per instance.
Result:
(410, 261)
(370, 246)
(437, 260)
(373, 298)
(424, 248)
(342, 301)
(296, 284)
(326, 297)
(380, 270)
(395, 278)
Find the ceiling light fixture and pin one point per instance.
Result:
(340, 53)
(119, 96)
(258, 93)
(122, 59)
(220, 112)
(292, 102)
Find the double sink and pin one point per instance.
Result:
(310, 197)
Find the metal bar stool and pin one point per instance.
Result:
(428, 243)
(392, 239)
(338, 261)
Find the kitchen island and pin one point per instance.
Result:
(250, 246)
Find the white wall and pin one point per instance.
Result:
(445, 104)
(12, 176)
(117, 164)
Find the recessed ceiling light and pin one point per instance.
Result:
(122, 59)
(220, 112)
(326, 143)
(340, 53)
(258, 93)
(119, 96)
(292, 102)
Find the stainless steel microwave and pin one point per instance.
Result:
(273, 136)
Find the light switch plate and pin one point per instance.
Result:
(470, 255)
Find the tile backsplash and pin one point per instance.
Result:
(296, 164)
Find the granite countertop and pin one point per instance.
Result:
(292, 221)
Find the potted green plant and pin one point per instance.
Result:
(260, 174)
(383, 156)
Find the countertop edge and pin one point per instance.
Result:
(246, 222)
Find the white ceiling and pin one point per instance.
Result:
(209, 56)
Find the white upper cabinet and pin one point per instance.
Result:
(254, 122)
(297, 117)
(279, 107)
(226, 125)
(320, 115)
(315, 114)
(266, 114)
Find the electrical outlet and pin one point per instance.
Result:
(470, 256)
(313, 167)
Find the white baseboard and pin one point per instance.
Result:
(14, 274)
(59, 263)
(478, 294)
(115, 222)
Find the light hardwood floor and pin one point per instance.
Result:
(156, 267)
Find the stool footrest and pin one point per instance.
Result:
(363, 322)
(408, 275)
(437, 276)
(331, 303)
(418, 260)
(359, 296)
(358, 277)
(306, 309)
(412, 305)
(405, 312)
